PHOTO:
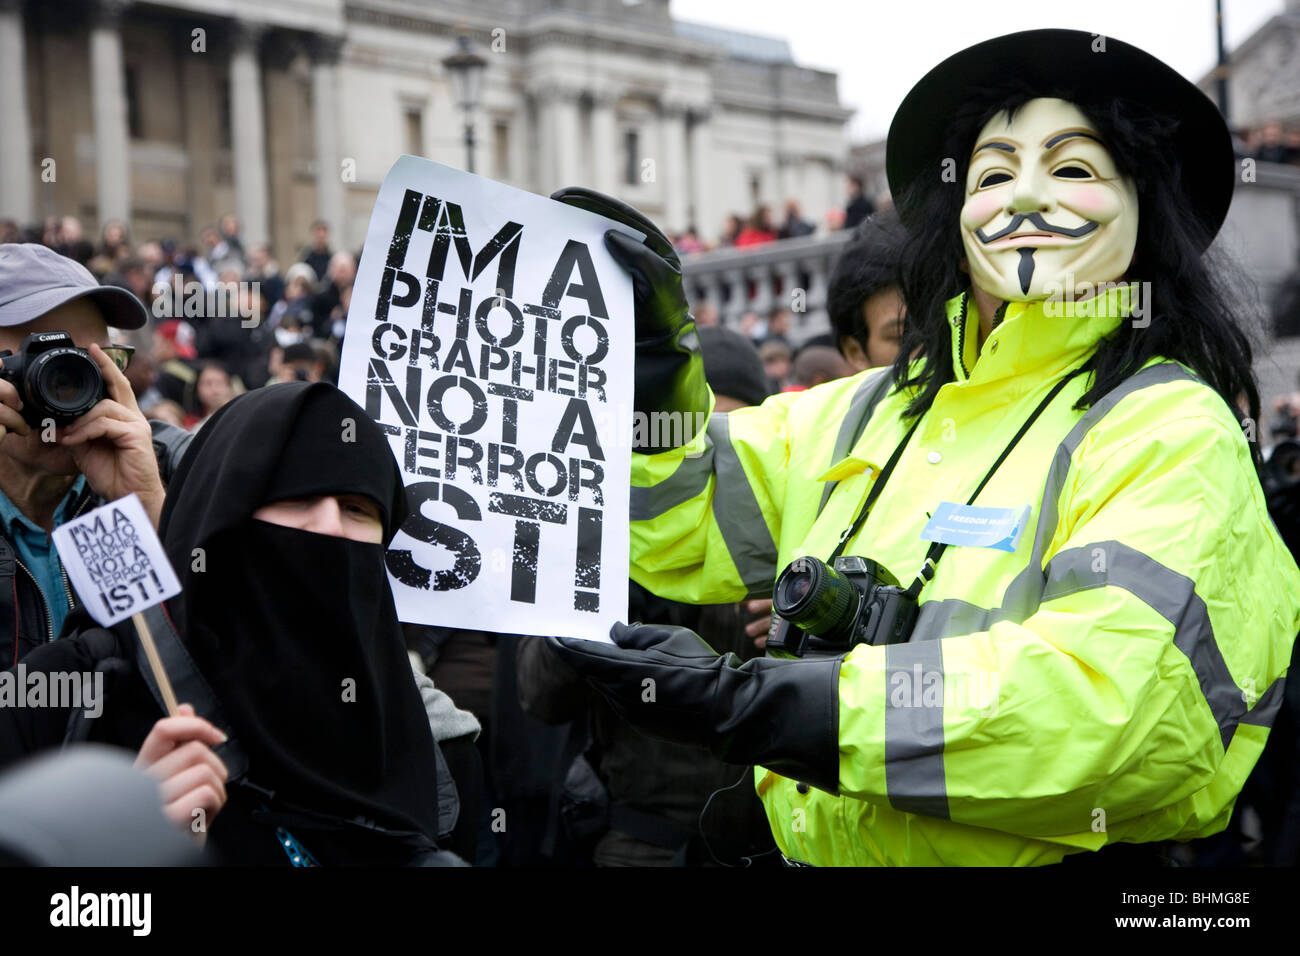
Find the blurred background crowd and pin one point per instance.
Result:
(227, 316)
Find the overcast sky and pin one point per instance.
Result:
(880, 48)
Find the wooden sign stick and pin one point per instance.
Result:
(155, 663)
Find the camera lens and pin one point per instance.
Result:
(66, 383)
(812, 595)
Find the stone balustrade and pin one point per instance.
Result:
(788, 272)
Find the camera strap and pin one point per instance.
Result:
(876, 489)
(937, 549)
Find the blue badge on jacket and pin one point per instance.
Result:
(972, 526)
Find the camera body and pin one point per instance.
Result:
(55, 379)
(828, 609)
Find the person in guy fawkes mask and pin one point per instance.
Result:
(1103, 666)
(276, 523)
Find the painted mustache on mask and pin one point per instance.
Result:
(1039, 223)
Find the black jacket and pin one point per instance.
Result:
(24, 614)
(128, 712)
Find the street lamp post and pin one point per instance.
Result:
(1221, 69)
(465, 67)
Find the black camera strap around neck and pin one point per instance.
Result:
(937, 548)
(876, 489)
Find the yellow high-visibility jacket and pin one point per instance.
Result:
(1112, 679)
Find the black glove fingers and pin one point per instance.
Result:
(638, 637)
(635, 259)
(619, 211)
(638, 257)
(603, 205)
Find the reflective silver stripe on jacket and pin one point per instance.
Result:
(735, 506)
(687, 482)
(739, 517)
(863, 405)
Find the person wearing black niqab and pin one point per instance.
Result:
(296, 631)
(296, 634)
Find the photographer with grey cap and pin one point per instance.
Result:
(67, 439)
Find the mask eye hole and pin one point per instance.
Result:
(994, 179)
(1072, 172)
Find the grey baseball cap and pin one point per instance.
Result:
(35, 279)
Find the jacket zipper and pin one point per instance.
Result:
(67, 589)
(961, 336)
(81, 508)
(49, 618)
(63, 572)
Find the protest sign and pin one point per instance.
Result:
(119, 569)
(490, 335)
(115, 561)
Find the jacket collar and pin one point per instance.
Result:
(1041, 338)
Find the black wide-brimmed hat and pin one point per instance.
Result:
(1059, 61)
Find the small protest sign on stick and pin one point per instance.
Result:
(117, 565)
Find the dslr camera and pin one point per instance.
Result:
(829, 609)
(54, 378)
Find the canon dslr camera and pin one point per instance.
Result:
(831, 609)
(54, 378)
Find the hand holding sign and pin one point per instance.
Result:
(117, 565)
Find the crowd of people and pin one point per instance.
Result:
(760, 227)
(194, 356)
(1132, 640)
(220, 320)
(224, 316)
(1271, 142)
(493, 702)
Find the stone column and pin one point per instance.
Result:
(787, 164)
(674, 172)
(567, 169)
(16, 170)
(248, 133)
(325, 123)
(698, 146)
(523, 132)
(544, 172)
(605, 151)
(108, 110)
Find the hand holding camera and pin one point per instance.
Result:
(88, 401)
(832, 608)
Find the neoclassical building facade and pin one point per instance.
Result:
(170, 114)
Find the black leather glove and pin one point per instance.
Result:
(777, 713)
(669, 368)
